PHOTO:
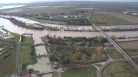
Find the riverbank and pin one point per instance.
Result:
(23, 24)
(31, 24)
(42, 64)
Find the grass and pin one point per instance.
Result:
(106, 20)
(119, 69)
(2, 45)
(38, 10)
(132, 52)
(15, 38)
(26, 57)
(5, 55)
(7, 65)
(80, 72)
(113, 53)
(98, 65)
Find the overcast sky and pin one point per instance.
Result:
(24, 1)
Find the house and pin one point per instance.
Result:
(55, 65)
(3, 33)
(108, 45)
(29, 75)
(134, 13)
(55, 17)
(26, 75)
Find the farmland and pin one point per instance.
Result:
(129, 45)
(7, 65)
(106, 20)
(129, 18)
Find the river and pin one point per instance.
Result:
(40, 33)
(11, 6)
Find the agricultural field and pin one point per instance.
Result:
(80, 72)
(120, 69)
(129, 45)
(7, 65)
(48, 10)
(107, 20)
(129, 18)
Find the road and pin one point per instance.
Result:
(18, 66)
(118, 48)
(99, 71)
(115, 45)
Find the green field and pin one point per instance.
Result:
(119, 69)
(132, 52)
(7, 65)
(2, 45)
(15, 38)
(39, 10)
(27, 53)
(107, 20)
(80, 72)
(113, 53)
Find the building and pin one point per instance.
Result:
(134, 13)
(29, 75)
(3, 33)
(108, 45)
(26, 75)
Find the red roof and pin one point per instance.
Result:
(27, 75)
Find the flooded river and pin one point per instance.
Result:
(40, 33)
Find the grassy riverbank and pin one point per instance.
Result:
(25, 25)
(28, 52)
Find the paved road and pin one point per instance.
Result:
(99, 71)
(118, 48)
(115, 45)
(18, 66)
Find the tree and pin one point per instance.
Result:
(94, 57)
(52, 57)
(78, 55)
(103, 56)
(99, 50)
(78, 49)
(65, 61)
